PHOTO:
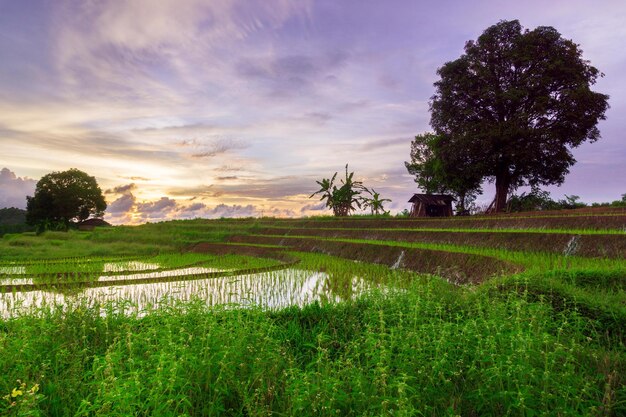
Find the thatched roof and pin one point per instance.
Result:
(432, 199)
(94, 223)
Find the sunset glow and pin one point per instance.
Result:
(197, 108)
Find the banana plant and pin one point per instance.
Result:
(375, 203)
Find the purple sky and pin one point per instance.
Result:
(190, 108)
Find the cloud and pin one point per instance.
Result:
(278, 212)
(121, 189)
(290, 74)
(201, 210)
(211, 148)
(385, 143)
(122, 205)
(197, 191)
(129, 49)
(14, 189)
(193, 207)
(236, 210)
(228, 168)
(156, 209)
(270, 188)
(314, 207)
(136, 178)
(318, 117)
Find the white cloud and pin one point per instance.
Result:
(14, 189)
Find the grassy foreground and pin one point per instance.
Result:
(545, 341)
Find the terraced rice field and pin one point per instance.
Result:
(507, 315)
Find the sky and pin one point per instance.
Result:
(206, 108)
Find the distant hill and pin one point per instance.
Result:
(13, 220)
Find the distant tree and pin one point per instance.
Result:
(571, 202)
(343, 199)
(404, 213)
(438, 170)
(375, 203)
(12, 216)
(65, 197)
(515, 103)
(13, 220)
(534, 200)
(615, 203)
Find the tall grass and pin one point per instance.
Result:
(416, 352)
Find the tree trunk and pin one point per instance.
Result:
(502, 191)
(460, 209)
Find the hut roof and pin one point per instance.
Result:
(432, 199)
(94, 222)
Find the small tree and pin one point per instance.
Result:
(65, 197)
(345, 198)
(536, 199)
(438, 169)
(375, 203)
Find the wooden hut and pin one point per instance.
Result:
(431, 205)
(89, 224)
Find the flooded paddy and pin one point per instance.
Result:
(180, 272)
(268, 290)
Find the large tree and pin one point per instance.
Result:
(517, 101)
(65, 197)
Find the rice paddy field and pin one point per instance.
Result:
(506, 315)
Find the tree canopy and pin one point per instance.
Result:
(514, 104)
(65, 197)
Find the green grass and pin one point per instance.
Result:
(417, 352)
(546, 341)
(536, 230)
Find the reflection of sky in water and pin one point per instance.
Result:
(12, 270)
(129, 266)
(271, 290)
(161, 274)
(124, 266)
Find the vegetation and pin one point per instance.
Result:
(511, 108)
(13, 220)
(64, 197)
(346, 198)
(437, 170)
(538, 199)
(375, 203)
(544, 337)
(12, 216)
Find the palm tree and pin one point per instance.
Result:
(375, 203)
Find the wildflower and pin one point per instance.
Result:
(16, 392)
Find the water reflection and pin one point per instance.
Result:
(129, 266)
(12, 270)
(123, 267)
(161, 274)
(270, 290)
